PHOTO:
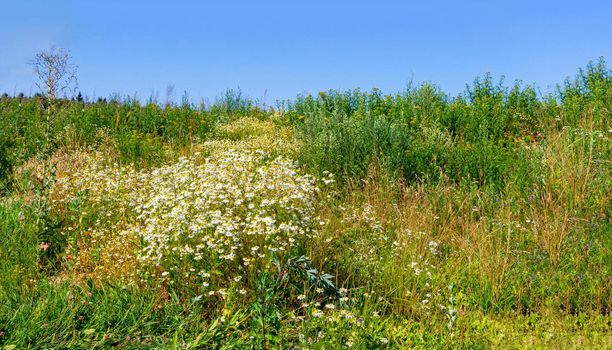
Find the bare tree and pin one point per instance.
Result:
(55, 72)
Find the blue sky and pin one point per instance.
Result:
(283, 48)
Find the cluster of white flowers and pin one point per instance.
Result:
(233, 211)
(207, 221)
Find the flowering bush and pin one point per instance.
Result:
(204, 222)
(232, 214)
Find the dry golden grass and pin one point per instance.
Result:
(479, 233)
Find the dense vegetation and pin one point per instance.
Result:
(347, 219)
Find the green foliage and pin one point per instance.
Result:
(266, 322)
(140, 131)
(587, 93)
(20, 250)
(422, 134)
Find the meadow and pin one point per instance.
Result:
(347, 219)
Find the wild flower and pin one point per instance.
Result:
(433, 245)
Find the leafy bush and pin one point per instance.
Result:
(422, 135)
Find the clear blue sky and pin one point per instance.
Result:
(291, 47)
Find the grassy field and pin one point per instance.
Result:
(344, 220)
